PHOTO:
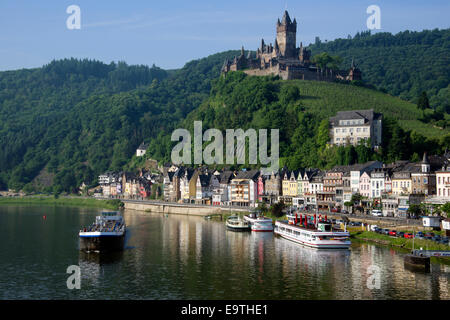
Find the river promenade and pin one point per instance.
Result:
(180, 208)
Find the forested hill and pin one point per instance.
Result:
(404, 64)
(300, 110)
(70, 120)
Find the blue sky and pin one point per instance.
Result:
(172, 32)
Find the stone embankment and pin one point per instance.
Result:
(178, 208)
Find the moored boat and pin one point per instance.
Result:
(259, 223)
(107, 233)
(322, 236)
(235, 223)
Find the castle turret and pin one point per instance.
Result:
(354, 73)
(277, 49)
(286, 36)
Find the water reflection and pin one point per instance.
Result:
(186, 257)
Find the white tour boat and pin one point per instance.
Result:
(235, 223)
(259, 223)
(321, 237)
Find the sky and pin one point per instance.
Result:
(172, 32)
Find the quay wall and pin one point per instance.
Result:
(178, 209)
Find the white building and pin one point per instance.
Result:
(355, 126)
(141, 150)
(376, 183)
(443, 183)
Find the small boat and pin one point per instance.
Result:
(321, 235)
(259, 223)
(107, 233)
(235, 223)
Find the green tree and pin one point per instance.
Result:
(423, 102)
(323, 136)
(277, 209)
(446, 208)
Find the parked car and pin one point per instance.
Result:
(429, 235)
(385, 231)
(344, 211)
(408, 235)
(400, 234)
(335, 210)
(444, 240)
(436, 238)
(357, 223)
(392, 233)
(373, 227)
(377, 213)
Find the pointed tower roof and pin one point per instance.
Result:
(425, 158)
(286, 19)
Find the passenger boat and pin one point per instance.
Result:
(107, 233)
(324, 236)
(259, 223)
(235, 223)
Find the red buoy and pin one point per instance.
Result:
(44, 216)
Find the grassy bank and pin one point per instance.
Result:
(398, 242)
(76, 202)
(402, 243)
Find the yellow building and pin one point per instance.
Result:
(401, 183)
(290, 184)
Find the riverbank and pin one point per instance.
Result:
(62, 201)
(401, 243)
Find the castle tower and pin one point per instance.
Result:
(286, 36)
(354, 73)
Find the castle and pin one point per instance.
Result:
(286, 60)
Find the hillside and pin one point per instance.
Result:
(404, 64)
(300, 109)
(72, 119)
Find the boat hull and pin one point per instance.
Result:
(102, 243)
(260, 225)
(314, 245)
(239, 229)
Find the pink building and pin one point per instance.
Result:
(260, 188)
(364, 185)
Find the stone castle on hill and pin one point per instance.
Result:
(285, 59)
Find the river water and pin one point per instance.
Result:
(186, 257)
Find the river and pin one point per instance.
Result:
(187, 257)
